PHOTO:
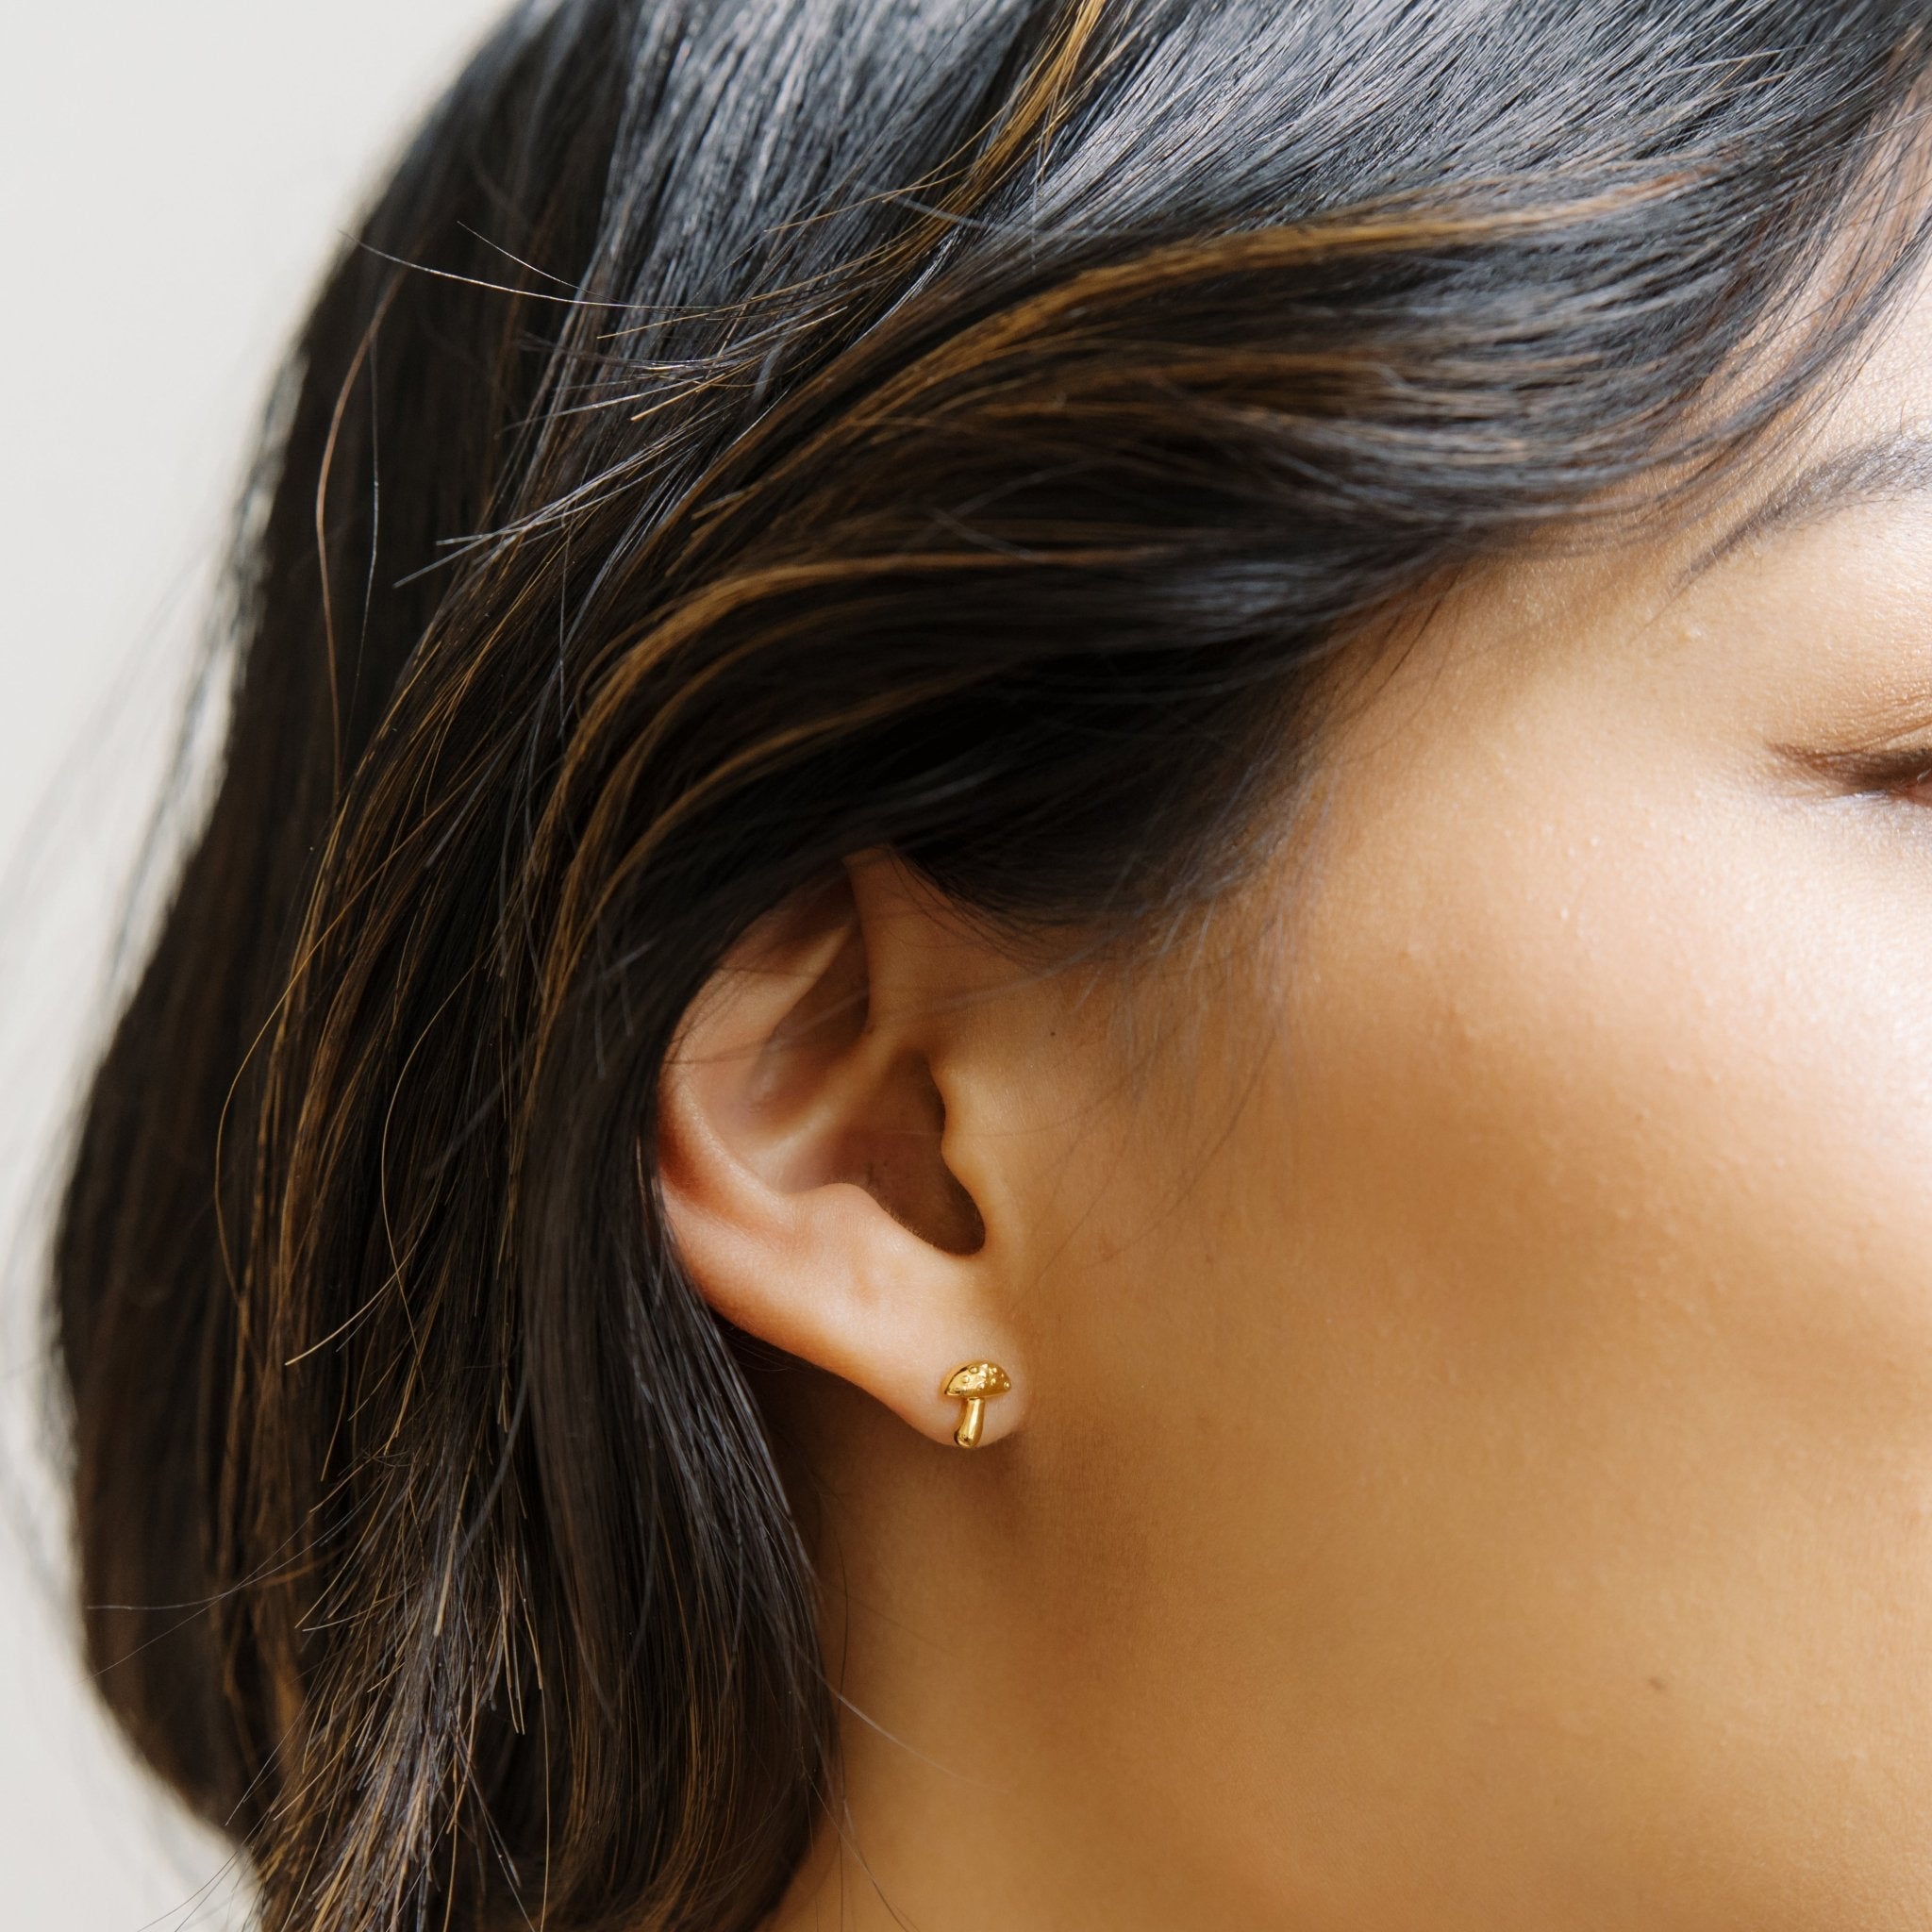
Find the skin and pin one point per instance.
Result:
(1470, 1461)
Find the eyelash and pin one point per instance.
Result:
(1893, 773)
(1875, 774)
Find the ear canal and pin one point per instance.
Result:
(895, 1153)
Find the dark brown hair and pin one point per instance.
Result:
(743, 433)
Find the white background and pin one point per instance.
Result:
(172, 175)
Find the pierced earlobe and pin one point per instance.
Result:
(975, 1384)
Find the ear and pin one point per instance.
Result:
(821, 1152)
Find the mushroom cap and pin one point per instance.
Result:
(977, 1378)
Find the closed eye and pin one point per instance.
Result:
(1904, 771)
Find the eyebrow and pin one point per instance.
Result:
(1885, 470)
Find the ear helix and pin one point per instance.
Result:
(975, 1384)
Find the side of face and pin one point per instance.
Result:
(1469, 1460)
(1491, 1360)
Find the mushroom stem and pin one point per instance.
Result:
(967, 1434)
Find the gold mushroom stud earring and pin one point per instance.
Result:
(973, 1384)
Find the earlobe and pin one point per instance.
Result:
(802, 1123)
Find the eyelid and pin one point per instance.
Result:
(1887, 774)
